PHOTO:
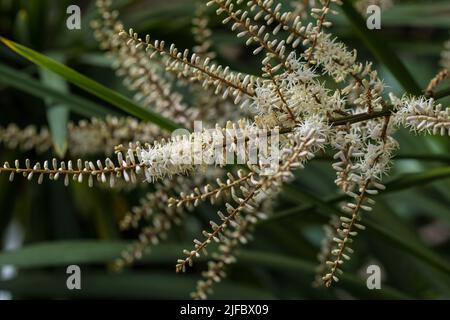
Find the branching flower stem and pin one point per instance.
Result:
(355, 216)
(131, 36)
(259, 187)
(351, 224)
(359, 117)
(215, 192)
(320, 22)
(182, 264)
(441, 76)
(255, 36)
(268, 70)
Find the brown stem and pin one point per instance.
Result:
(442, 75)
(319, 26)
(360, 117)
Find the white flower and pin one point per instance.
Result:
(299, 72)
(314, 128)
(242, 142)
(377, 159)
(333, 56)
(265, 97)
(422, 114)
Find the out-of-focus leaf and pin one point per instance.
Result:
(156, 17)
(99, 207)
(91, 86)
(432, 14)
(62, 253)
(37, 10)
(442, 93)
(418, 179)
(445, 158)
(57, 113)
(404, 270)
(21, 81)
(91, 252)
(418, 14)
(95, 59)
(129, 285)
(426, 157)
(21, 25)
(400, 183)
(280, 262)
(47, 254)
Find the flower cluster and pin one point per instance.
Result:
(303, 142)
(422, 115)
(312, 94)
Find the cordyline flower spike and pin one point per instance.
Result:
(347, 113)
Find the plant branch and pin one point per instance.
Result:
(360, 117)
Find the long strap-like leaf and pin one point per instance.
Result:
(22, 81)
(92, 86)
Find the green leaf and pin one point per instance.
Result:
(22, 81)
(422, 156)
(127, 285)
(381, 50)
(21, 27)
(62, 253)
(425, 14)
(57, 113)
(36, 10)
(81, 252)
(285, 263)
(442, 93)
(439, 157)
(395, 260)
(95, 60)
(415, 249)
(91, 86)
(418, 179)
(58, 117)
(422, 14)
(402, 182)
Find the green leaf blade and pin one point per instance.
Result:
(91, 86)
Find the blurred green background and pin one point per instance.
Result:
(44, 228)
